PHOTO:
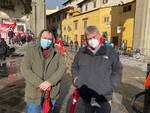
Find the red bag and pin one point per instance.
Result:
(74, 100)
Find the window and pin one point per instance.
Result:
(127, 8)
(65, 15)
(86, 7)
(94, 4)
(105, 1)
(64, 28)
(81, 9)
(53, 20)
(106, 19)
(65, 38)
(85, 21)
(49, 21)
(69, 28)
(58, 18)
(76, 25)
(75, 37)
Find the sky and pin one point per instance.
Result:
(50, 4)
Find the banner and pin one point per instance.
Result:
(5, 27)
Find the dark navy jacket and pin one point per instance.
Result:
(100, 72)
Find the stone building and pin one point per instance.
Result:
(33, 11)
(101, 13)
(142, 26)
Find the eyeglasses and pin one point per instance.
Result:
(93, 37)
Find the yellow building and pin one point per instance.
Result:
(123, 16)
(107, 20)
(73, 27)
(54, 20)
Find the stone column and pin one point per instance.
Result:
(37, 18)
(142, 26)
(33, 17)
(40, 15)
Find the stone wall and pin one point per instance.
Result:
(17, 12)
(142, 28)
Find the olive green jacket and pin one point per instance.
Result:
(36, 69)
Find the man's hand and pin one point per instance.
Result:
(45, 85)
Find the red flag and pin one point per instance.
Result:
(74, 100)
(47, 102)
(61, 49)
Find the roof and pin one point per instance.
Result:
(82, 2)
(66, 2)
(62, 10)
(51, 11)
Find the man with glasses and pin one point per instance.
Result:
(96, 71)
(42, 67)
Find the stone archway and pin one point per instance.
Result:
(30, 10)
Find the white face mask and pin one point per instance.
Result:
(93, 43)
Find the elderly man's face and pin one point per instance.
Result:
(93, 40)
(46, 35)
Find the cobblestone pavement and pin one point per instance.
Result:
(12, 89)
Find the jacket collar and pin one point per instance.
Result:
(101, 51)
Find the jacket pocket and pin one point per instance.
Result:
(31, 91)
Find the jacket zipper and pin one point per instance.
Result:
(43, 69)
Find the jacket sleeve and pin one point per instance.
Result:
(57, 76)
(116, 75)
(75, 66)
(26, 71)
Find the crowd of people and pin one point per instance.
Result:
(96, 72)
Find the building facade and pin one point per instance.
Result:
(73, 3)
(107, 15)
(54, 20)
(93, 4)
(105, 19)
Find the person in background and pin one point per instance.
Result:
(76, 45)
(71, 45)
(11, 35)
(3, 50)
(19, 39)
(58, 44)
(96, 72)
(27, 37)
(42, 67)
(124, 46)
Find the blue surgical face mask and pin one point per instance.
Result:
(45, 43)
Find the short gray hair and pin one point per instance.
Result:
(91, 29)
